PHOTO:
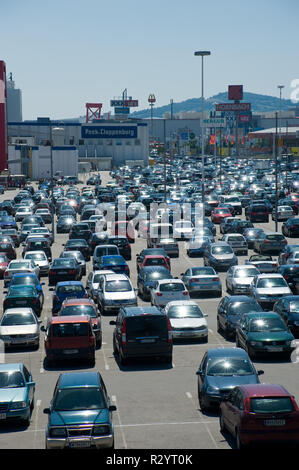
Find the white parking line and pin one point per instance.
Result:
(120, 423)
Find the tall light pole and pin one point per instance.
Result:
(202, 54)
(280, 87)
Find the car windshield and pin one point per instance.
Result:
(271, 405)
(266, 325)
(229, 366)
(118, 286)
(235, 238)
(75, 399)
(37, 257)
(172, 286)
(222, 250)
(78, 310)
(271, 282)
(238, 308)
(20, 280)
(19, 265)
(63, 262)
(184, 311)
(246, 272)
(14, 319)
(11, 379)
(66, 330)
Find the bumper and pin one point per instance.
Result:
(99, 442)
(116, 307)
(70, 353)
(21, 414)
(272, 436)
(216, 287)
(189, 334)
(20, 342)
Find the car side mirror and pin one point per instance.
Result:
(260, 372)
(46, 411)
(43, 328)
(199, 372)
(112, 408)
(112, 322)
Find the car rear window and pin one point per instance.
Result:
(64, 330)
(172, 287)
(70, 289)
(275, 237)
(271, 405)
(154, 262)
(146, 325)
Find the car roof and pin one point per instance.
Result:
(10, 311)
(225, 352)
(261, 314)
(79, 379)
(165, 281)
(137, 311)
(268, 275)
(11, 367)
(181, 302)
(69, 283)
(25, 275)
(116, 277)
(264, 390)
(79, 302)
(69, 319)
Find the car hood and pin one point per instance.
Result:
(270, 335)
(18, 329)
(59, 418)
(120, 295)
(244, 280)
(12, 394)
(224, 257)
(187, 322)
(231, 381)
(273, 291)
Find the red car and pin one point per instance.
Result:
(219, 214)
(3, 264)
(8, 249)
(260, 413)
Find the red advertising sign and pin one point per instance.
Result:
(233, 107)
(244, 118)
(235, 92)
(131, 103)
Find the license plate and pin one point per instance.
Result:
(62, 272)
(274, 349)
(80, 444)
(70, 351)
(20, 302)
(274, 422)
(147, 340)
(2, 415)
(18, 340)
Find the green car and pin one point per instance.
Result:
(264, 333)
(23, 296)
(80, 414)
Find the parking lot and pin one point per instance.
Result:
(157, 404)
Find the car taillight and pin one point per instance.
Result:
(51, 272)
(194, 280)
(72, 271)
(159, 294)
(284, 242)
(124, 333)
(286, 277)
(288, 255)
(185, 292)
(169, 330)
(35, 301)
(6, 274)
(215, 279)
(247, 405)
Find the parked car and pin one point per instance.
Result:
(202, 279)
(266, 289)
(239, 278)
(114, 263)
(269, 243)
(151, 252)
(69, 337)
(290, 273)
(170, 246)
(283, 213)
(80, 413)
(230, 310)
(67, 290)
(220, 256)
(261, 413)
(23, 295)
(29, 279)
(20, 266)
(63, 269)
(16, 393)
(38, 244)
(103, 250)
(220, 370)
(218, 214)
(264, 333)
(79, 259)
(147, 278)
(3, 264)
(78, 244)
(237, 242)
(8, 249)
(288, 309)
(197, 245)
(114, 292)
(40, 259)
(142, 332)
(290, 227)
(264, 263)
(19, 327)
(122, 244)
(187, 320)
(80, 230)
(84, 306)
(251, 234)
(167, 290)
(65, 223)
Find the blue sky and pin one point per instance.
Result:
(65, 53)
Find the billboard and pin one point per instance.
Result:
(3, 132)
(235, 92)
(109, 132)
(233, 107)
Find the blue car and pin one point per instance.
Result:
(16, 393)
(67, 290)
(8, 222)
(116, 263)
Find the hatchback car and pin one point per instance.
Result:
(220, 371)
(19, 327)
(283, 213)
(142, 332)
(237, 241)
(270, 243)
(230, 310)
(67, 290)
(239, 278)
(187, 320)
(20, 266)
(24, 295)
(167, 290)
(260, 413)
(80, 414)
(16, 393)
(264, 333)
(40, 259)
(63, 269)
(220, 256)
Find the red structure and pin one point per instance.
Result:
(93, 111)
(3, 123)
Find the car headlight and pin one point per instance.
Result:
(101, 430)
(18, 405)
(57, 432)
(212, 390)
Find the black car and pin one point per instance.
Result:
(123, 245)
(148, 276)
(290, 228)
(142, 332)
(38, 244)
(290, 272)
(238, 226)
(288, 309)
(257, 213)
(65, 223)
(78, 257)
(80, 231)
(78, 244)
(252, 234)
(64, 269)
(230, 310)
(97, 238)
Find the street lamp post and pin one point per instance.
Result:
(202, 54)
(52, 177)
